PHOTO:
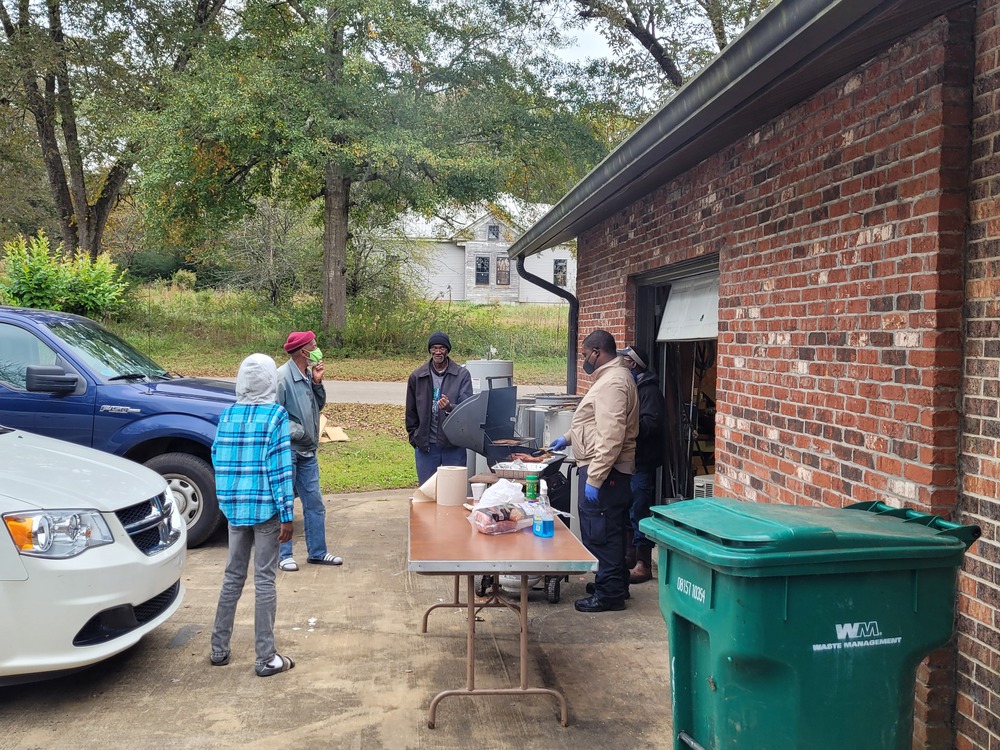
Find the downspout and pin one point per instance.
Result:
(572, 324)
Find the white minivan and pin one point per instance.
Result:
(91, 553)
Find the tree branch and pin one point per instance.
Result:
(633, 24)
(205, 14)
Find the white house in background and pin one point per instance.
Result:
(462, 255)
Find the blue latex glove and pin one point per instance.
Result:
(558, 444)
(591, 492)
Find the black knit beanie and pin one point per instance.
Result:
(439, 338)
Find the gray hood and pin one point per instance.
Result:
(257, 380)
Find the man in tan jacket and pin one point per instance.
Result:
(603, 434)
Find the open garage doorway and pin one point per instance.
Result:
(677, 318)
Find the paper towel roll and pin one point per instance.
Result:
(427, 491)
(452, 484)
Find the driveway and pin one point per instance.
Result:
(364, 674)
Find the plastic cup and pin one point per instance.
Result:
(477, 490)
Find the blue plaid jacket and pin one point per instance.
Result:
(253, 464)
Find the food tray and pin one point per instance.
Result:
(506, 470)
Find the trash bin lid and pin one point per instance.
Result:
(725, 532)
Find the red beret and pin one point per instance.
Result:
(298, 339)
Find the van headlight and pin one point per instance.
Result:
(57, 533)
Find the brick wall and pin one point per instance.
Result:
(978, 714)
(840, 231)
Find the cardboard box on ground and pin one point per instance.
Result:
(328, 433)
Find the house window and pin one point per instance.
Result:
(482, 270)
(559, 272)
(503, 271)
(493, 232)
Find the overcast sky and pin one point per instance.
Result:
(588, 44)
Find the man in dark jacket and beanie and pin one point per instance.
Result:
(649, 446)
(432, 391)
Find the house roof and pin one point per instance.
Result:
(451, 222)
(790, 52)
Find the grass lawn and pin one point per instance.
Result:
(378, 457)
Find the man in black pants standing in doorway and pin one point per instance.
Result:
(603, 433)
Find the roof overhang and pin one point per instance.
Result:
(796, 48)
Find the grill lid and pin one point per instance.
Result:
(477, 421)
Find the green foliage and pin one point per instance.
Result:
(25, 206)
(94, 287)
(32, 277)
(184, 279)
(36, 276)
(149, 264)
(425, 103)
(400, 327)
(209, 333)
(77, 73)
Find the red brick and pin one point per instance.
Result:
(883, 281)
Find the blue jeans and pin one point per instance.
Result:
(305, 478)
(642, 501)
(602, 530)
(428, 461)
(263, 538)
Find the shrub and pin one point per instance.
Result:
(94, 288)
(152, 264)
(32, 277)
(36, 276)
(184, 279)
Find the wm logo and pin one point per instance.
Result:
(851, 630)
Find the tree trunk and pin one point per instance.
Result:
(337, 189)
(337, 194)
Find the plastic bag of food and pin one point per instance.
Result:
(503, 491)
(502, 518)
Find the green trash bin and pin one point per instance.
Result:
(797, 628)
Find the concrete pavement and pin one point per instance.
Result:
(364, 674)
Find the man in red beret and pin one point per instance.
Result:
(301, 392)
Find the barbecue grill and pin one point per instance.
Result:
(479, 422)
(484, 424)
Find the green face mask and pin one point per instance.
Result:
(316, 355)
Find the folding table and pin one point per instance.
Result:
(443, 542)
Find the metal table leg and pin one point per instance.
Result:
(470, 657)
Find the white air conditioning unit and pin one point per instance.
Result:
(704, 486)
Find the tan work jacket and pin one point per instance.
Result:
(606, 423)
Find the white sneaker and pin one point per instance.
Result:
(288, 564)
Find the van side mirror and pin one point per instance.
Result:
(50, 379)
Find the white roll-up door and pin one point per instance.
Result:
(692, 309)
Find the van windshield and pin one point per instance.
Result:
(105, 353)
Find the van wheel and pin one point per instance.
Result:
(192, 483)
